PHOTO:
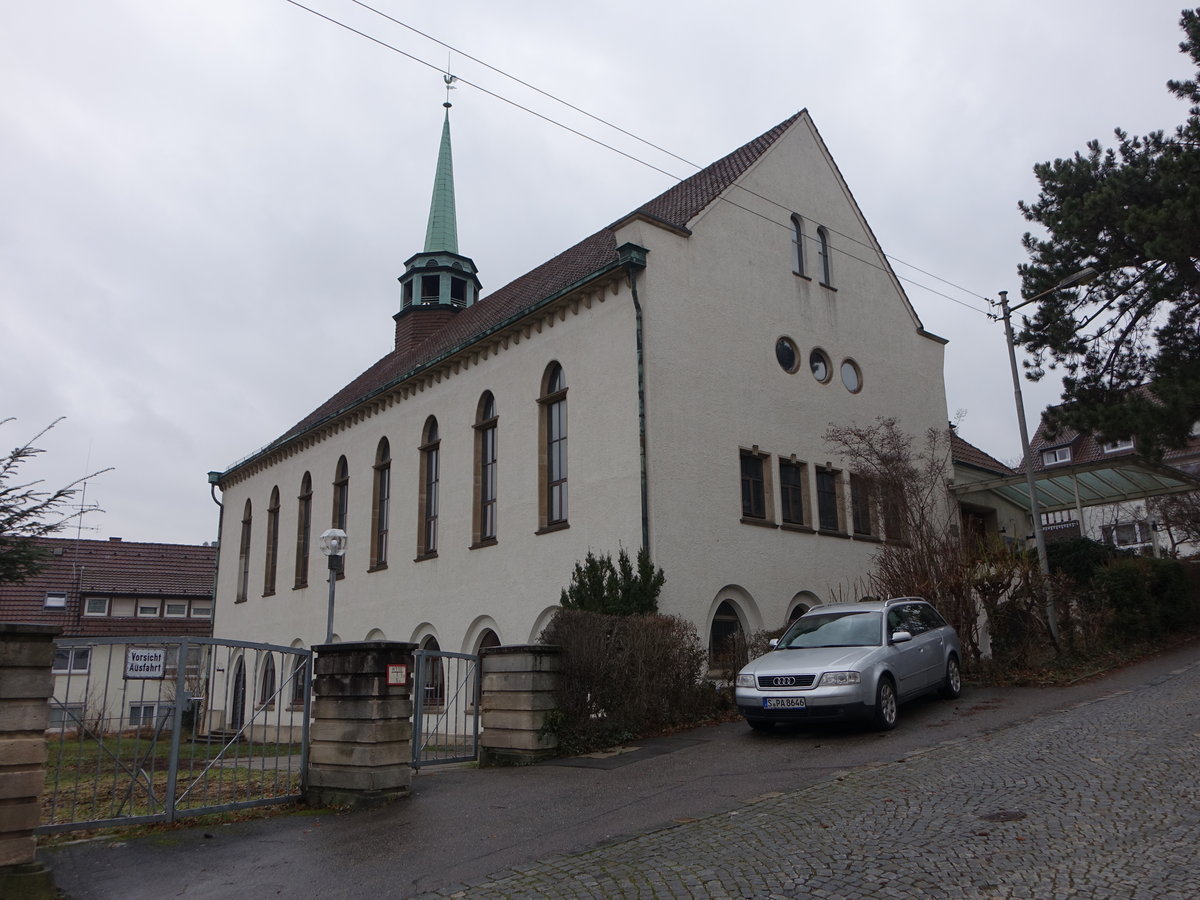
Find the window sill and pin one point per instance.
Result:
(797, 527)
(378, 568)
(421, 557)
(556, 526)
(801, 275)
(836, 534)
(299, 585)
(486, 542)
(238, 600)
(869, 538)
(828, 287)
(265, 594)
(761, 523)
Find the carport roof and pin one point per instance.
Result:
(1097, 483)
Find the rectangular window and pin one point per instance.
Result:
(1117, 446)
(142, 714)
(176, 609)
(754, 502)
(72, 660)
(201, 609)
(56, 600)
(95, 606)
(147, 609)
(862, 505)
(829, 512)
(1057, 455)
(792, 487)
(894, 526)
(65, 716)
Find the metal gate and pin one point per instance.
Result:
(149, 730)
(445, 708)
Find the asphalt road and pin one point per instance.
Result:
(523, 832)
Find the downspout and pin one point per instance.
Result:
(633, 258)
(214, 479)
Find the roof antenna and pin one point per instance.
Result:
(449, 79)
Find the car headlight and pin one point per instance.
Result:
(745, 681)
(838, 679)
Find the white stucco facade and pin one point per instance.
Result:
(715, 296)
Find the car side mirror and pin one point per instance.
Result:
(774, 642)
(899, 637)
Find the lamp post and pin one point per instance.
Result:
(333, 545)
(1083, 276)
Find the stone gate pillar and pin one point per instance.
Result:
(519, 692)
(26, 684)
(360, 747)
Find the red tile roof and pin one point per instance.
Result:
(675, 207)
(81, 568)
(965, 453)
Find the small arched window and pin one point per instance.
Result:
(798, 245)
(823, 254)
(553, 456)
(485, 471)
(430, 449)
(381, 495)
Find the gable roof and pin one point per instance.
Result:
(964, 453)
(674, 207)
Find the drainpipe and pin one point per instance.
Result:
(633, 258)
(214, 479)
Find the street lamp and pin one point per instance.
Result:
(1083, 276)
(333, 545)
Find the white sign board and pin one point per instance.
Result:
(145, 662)
(397, 674)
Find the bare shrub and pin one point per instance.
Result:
(625, 677)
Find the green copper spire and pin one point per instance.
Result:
(441, 235)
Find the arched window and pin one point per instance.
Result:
(726, 639)
(553, 455)
(266, 692)
(299, 680)
(485, 471)
(798, 245)
(435, 675)
(341, 494)
(272, 558)
(243, 582)
(430, 481)
(379, 504)
(826, 267)
(303, 530)
(489, 638)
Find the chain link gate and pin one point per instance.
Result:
(148, 730)
(446, 691)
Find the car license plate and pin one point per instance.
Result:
(783, 703)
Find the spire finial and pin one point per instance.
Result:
(449, 79)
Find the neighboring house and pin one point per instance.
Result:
(1128, 519)
(113, 588)
(985, 513)
(666, 382)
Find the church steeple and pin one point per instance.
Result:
(438, 281)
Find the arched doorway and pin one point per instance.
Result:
(489, 638)
(726, 639)
(237, 700)
(435, 676)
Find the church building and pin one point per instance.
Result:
(665, 383)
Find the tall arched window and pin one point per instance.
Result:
(272, 558)
(243, 582)
(428, 498)
(553, 455)
(266, 692)
(341, 494)
(485, 471)
(798, 245)
(303, 530)
(379, 504)
(823, 253)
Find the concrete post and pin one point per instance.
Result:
(519, 687)
(26, 684)
(360, 747)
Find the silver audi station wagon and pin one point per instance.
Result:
(852, 660)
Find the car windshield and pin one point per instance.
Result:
(840, 629)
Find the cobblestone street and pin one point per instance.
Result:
(1098, 801)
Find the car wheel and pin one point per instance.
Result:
(761, 724)
(952, 686)
(886, 709)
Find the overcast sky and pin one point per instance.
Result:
(204, 204)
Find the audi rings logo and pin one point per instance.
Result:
(783, 680)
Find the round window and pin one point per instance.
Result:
(787, 354)
(851, 376)
(819, 363)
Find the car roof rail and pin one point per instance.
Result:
(892, 600)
